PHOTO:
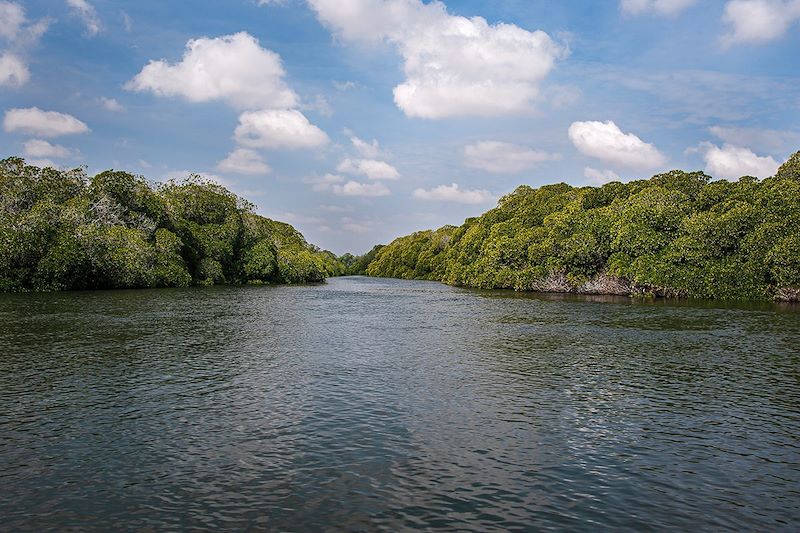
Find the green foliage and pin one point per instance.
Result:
(790, 169)
(418, 256)
(299, 265)
(357, 265)
(261, 262)
(676, 234)
(60, 230)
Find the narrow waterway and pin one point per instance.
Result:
(369, 404)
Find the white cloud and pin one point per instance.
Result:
(354, 188)
(732, 162)
(599, 177)
(454, 66)
(774, 141)
(233, 68)
(15, 27)
(34, 121)
(499, 157)
(278, 129)
(87, 14)
(243, 161)
(371, 168)
(605, 141)
(758, 21)
(454, 194)
(111, 104)
(12, 19)
(40, 148)
(325, 183)
(660, 7)
(13, 72)
(20, 34)
(369, 150)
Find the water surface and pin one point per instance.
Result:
(368, 404)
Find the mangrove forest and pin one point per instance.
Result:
(677, 234)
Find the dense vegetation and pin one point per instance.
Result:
(676, 234)
(62, 230)
(357, 265)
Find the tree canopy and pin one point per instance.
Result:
(675, 234)
(62, 230)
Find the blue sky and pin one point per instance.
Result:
(361, 120)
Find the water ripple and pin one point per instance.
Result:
(370, 404)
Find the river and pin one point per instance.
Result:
(370, 404)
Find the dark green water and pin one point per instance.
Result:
(370, 404)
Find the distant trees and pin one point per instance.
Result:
(62, 230)
(357, 265)
(676, 234)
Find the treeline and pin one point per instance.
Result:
(61, 230)
(677, 234)
(357, 265)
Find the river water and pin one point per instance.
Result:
(369, 404)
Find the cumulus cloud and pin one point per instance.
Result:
(13, 71)
(233, 68)
(111, 104)
(19, 34)
(12, 18)
(758, 21)
(454, 194)
(499, 157)
(41, 148)
(732, 162)
(369, 150)
(600, 177)
(454, 66)
(336, 184)
(285, 128)
(34, 121)
(659, 7)
(605, 141)
(371, 168)
(354, 188)
(87, 14)
(243, 161)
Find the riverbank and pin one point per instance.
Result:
(678, 234)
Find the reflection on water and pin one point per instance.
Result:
(381, 404)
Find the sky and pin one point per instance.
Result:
(358, 121)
